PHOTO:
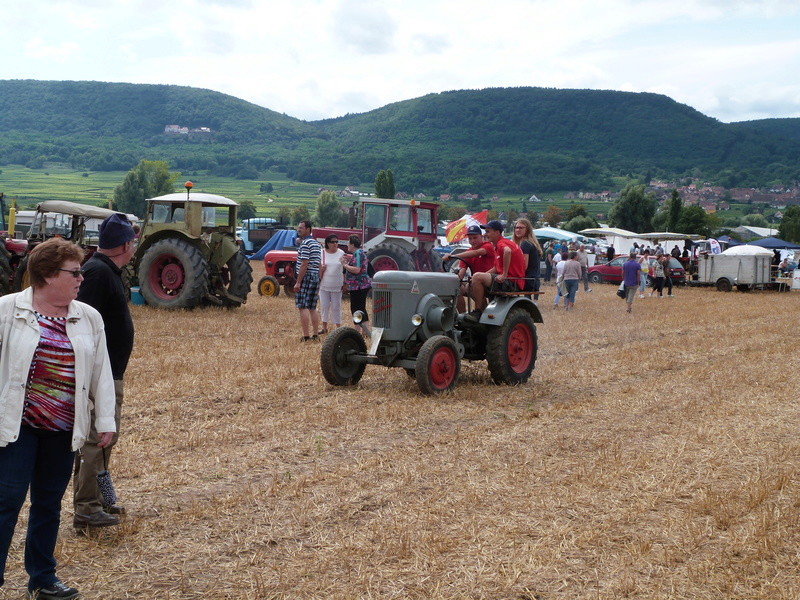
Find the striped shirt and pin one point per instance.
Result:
(50, 392)
(310, 250)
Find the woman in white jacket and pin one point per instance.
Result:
(52, 356)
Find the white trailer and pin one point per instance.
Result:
(728, 270)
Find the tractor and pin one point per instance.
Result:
(415, 326)
(397, 235)
(75, 222)
(188, 255)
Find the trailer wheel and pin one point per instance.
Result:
(268, 286)
(723, 285)
(438, 365)
(511, 348)
(335, 357)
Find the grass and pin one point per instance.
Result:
(651, 455)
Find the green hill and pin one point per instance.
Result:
(513, 140)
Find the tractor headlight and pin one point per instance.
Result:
(416, 320)
(358, 316)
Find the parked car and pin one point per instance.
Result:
(611, 272)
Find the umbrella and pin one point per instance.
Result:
(773, 242)
(456, 230)
(554, 233)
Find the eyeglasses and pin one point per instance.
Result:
(76, 273)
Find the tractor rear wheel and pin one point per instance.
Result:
(237, 276)
(173, 274)
(437, 264)
(5, 270)
(389, 256)
(511, 348)
(335, 357)
(438, 365)
(268, 286)
(21, 278)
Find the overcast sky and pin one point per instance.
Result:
(734, 60)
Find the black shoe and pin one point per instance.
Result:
(98, 519)
(473, 316)
(114, 509)
(54, 590)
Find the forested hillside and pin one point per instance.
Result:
(515, 140)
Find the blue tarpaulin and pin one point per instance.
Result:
(774, 243)
(279, 239)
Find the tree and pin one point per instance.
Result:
(553, 216)
(265, 188)
(300, 213)
(694, 220)
(634, 210)
(576, 210)
(148, 179)
(284, 215)
(580, 222)
(384, 184)
(674, 208)
(789, 229)
(329, 210)
(755, 220)
(247, 210)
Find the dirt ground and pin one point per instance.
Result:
(651, 455)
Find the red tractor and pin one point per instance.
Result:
(397, 235)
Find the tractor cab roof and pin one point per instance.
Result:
(74, 209)
(200, 197)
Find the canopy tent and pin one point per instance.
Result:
(666, 235)
(554, 233)
(609, 232)
(746, 250)
(728, 240)
(775, 243)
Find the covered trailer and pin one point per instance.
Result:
(739, 266)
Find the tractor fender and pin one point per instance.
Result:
(498, 309)
(409, 244)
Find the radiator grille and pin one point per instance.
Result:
(381, 309)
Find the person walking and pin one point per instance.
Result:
(330, 285)
(102, 288)
(571, 277)
(644, 261)
(53, 358)
(531, 252)
(658, 277)
(548, 262)
(631, 273)
(358, 282)
(306, 287)
(583, 260)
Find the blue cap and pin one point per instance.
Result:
(474, 230)
(494, 225)
(115, 231)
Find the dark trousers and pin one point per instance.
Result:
(358, 301)
(42, 461)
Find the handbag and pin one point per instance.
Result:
(621, 290)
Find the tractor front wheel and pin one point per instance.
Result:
(339, 347)
(268, 286)
(438, 365)
(511, 348)
(173, 274)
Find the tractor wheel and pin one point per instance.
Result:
(21, 278)
(289, 290)
(595, 277)
(237, 276)
(339, 346)
(511, 348)
(438, 365)
(268, 286)
(389, 256)
(173, 274)
(437, 264)
(5, 271)
(723, 285)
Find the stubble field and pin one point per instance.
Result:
(651, 455)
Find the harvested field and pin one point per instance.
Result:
(652, 455)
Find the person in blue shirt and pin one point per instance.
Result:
(631, 272)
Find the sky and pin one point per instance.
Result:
(734, 60)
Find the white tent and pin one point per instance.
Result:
(747, 250)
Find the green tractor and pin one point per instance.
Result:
(188, 255)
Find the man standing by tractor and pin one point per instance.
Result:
(103, 289)
(306, 287)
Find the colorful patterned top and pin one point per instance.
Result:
(360, 280)
(50, 393)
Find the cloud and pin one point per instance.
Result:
(364, 26)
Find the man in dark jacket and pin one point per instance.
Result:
(103, 289)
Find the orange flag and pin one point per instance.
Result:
(457, 230)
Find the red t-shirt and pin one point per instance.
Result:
(516, 269)
(481, 264)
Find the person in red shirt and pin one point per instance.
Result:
(478, 259)
(507, 274)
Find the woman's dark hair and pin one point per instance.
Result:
(355, 240)
(48, 257)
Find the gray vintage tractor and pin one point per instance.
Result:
(187, 254)
(415, 326)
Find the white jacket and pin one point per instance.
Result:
(19, 336)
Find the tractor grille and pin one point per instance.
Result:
(381, 309)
